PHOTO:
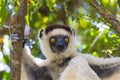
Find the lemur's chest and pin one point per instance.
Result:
(52, 69)
(57, 67)
(55, 71)
(49, 72)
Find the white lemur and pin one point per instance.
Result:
(62, 60)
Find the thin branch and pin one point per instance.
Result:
(109, 17)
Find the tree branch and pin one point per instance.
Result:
(109, 17)
(4, 31)
(16, 55)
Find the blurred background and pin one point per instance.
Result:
(94, 35)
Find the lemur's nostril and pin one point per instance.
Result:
(60, 45)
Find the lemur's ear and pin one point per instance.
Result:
(41, 33)
(73, 31)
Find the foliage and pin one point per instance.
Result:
(94, 34)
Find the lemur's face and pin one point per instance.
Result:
(57, 39)
(58, 43)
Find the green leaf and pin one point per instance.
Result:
(50, 4)
(38, 5)
(2, 12)
(118, 3)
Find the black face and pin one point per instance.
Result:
(59, 43)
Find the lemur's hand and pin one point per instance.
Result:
(15, 37)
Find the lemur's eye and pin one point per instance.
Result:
(52, 40)
(66, 39)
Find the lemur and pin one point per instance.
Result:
(63, 62)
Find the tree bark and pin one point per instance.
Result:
(16, 55)
(3, 31)
(108, 17)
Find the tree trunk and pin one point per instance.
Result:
(16, 55)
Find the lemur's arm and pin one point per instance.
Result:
(35, 68)
(28, 66)
(104, 67)
(32, 66)
(88, 67)
(101, 61)
(78, 69)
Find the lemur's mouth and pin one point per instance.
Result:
(58, 49)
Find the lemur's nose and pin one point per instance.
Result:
(60, 45)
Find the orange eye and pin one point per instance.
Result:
(52, 40)
(66, 39)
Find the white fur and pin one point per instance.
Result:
(82, 71)
(23, 73)
(78, 69)
(113, 61)
(29, 58)
(59, 32)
